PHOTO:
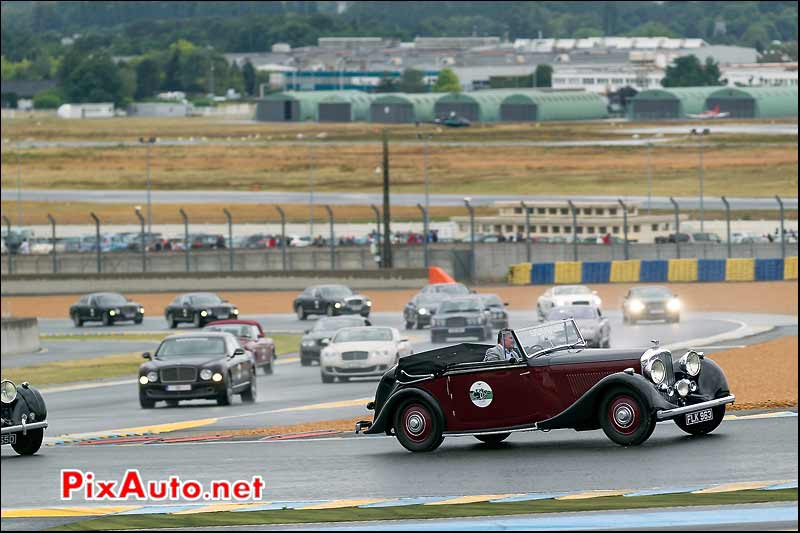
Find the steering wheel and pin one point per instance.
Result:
(533, 348)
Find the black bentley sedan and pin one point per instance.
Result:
(419, 312)
(465, 316)
(199, 308)
(331, 300)
(197, 365)
(105, 307)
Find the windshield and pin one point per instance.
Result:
(333, 324)
(363, 334)
(561, 313)
(473, 305)
(652, 292)
(455, 289)
(548, 337)
(335, 292)
(189, 346)
(572, 289)
(205, 299)
(111, 299)
(237, 330)
(491, 300)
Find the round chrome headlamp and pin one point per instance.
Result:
(657, 371)
(141, 310)
(152, 376)
(683, 387)
(112, 313)
(217, 377)
(235, 311)
(206, 374)
(8, 391)
(690, 363)
(203, 313)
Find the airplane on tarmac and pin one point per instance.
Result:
(710, 113)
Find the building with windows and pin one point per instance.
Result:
(553, 221)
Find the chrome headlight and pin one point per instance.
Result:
(656, 371)
(674, 305)
(636, 306)
(141, 310)
(690, 363)
(217, 377)
(235, 311)
(206, 374)
(683, 387)
(337, 305)
(8, 392)
(112, 312)
(143, 380)
(369, 303)
(422, 311)
(203, 313)
(152, 376)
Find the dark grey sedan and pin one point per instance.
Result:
(594, 327)
(461, 317)
(653, 302)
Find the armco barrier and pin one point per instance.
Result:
(543, 274)
(625, 271)
(682, 270)
(19, 335)
(654, 270)
(595, 272)
(568, 272)
(790, 268)
(711, 270)
(740, 269)
(769, 269)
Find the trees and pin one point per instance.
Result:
(447, 82)
(543, 76)
(148, 78)
(412, 81)
(249, 78)
(96, 79)
(687, 71)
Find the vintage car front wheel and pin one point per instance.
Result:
(417, 427)
(703, 427)
(625, 418)
(29, 444)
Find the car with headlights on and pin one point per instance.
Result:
(315, 339)
(252, 338)
(651, 302)
(553, 383)
(420, 310)
(465, 316)
(199, 308)
(199, 365)
(595, 327)
(362, 352)
(497, 308)
(331, 300)
(24, 417)
(566, 295)
(106, 307)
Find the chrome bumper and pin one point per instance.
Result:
(362, 425)
(24, 427)
(672, 413)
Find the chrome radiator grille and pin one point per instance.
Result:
(178, 374)
(354, 356)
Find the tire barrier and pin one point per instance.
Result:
(653, 271)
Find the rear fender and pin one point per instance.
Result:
(385, 418)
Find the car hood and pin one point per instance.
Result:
(569, 299)
(198, 361)
(652, 299)
(363, 346)
(459, 315)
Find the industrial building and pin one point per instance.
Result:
(345, 106)
(678, 102)
(291, 106)
(740, 102)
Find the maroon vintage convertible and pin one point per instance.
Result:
(555, 383)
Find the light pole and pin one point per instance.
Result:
(425, 138)
(527, 230)
(138, 211)
(624, 225)
(425, 231)
(148, 143)
(19, 189)
(377, 229)
(471, 210)
(702, 134)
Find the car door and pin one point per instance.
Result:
(90, 312)
(605, 328)
(315, 301)
(82, 307)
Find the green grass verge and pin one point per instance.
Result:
(106, 367)
(227, 518)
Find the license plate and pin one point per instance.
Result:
(699, 416)
(456, 330)
(9, 438)
(223, 316)
(656, 311)
(179, 388)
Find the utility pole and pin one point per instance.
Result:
(148, 143)
(387, 237)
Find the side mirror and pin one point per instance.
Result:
(146, 355)
(238, 351)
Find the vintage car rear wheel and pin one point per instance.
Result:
(625, 418)
(417, 427)
(704, 427)
(29, 444)
(493, 440)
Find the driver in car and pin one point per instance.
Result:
(504, 350)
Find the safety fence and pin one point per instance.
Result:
(653, 271)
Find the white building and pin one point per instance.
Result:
(768, 74)
(99, 110)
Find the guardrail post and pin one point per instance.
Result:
(186, 244)
(144, 247)
(53, 240)
(97, 243)
(8, 246)
(678, 227)
(230, 238)
(425, 232)
(333, 239)
(624, 226)
(471, 239)
(574, 230)
(283, 236)
(527, 231)
(377, 232)
(727, 224)
(783, 233)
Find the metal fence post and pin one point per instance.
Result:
(230, 238)
(727, 223)
(333, 239)
(377, 231)
(471, 239)
(283, 236)
(186, 244)
(624, 226)
(783, 233)
(8, 237)
(574, 230)
(527, 231)
(144, 248)
(53, 240)
(677, 226)
(425, 231)
(97, 243)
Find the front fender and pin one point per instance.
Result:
(29, 400)
(711, 383)
(383, 419)
(582, 415)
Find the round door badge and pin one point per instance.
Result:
(481, 394)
